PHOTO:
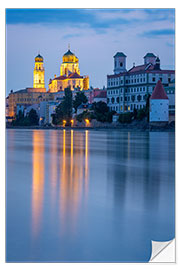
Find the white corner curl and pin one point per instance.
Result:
(163, 251)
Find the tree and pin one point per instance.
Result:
(57, 117)
(147, 105)
(100, 107)
(135, 113)
(125, 117)
(33, 118)
(64, 109)
(102, 113)
(67, 104)
(79, 99)
(141, 114)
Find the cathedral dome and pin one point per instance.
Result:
(38, 58)
(69, 57)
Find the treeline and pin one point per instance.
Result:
(31, 119)
(65, 110)
(140, 114)
(100, 110)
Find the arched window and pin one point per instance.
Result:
(139, 97)
(112, 100)
(117, 100)
(133, 98)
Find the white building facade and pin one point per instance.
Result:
(128, 90)
(159, 104)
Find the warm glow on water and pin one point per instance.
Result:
(84, 195)
(37, 181)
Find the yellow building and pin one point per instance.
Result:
(39, 72)
(30, 96)
(69, 75)
(27, 98)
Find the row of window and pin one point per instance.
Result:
(170, 92)
(118, 81)
(132, 98)
(134, 79)
(127, 90)
(31, 99)
(127, 108)
(155, 79)
(138, 80)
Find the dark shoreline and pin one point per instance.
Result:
(123, 127)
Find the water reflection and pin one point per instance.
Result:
(88, 195)
(37, 180)
(73, 175)
(53, 167)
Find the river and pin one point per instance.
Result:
(88, 195)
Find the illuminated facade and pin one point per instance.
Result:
(30, 95)
(26, 98)
(69, 75)
(39, 72)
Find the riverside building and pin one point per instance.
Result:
(30, 95)
(159, 104)
(69, 77)
(128, 89)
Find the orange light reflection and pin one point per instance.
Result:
(38, 180)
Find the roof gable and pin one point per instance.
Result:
(159, 92)
(149, 55)
(75, 76)
(119, 54)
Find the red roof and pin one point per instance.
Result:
(159, 92)
(75, 76)
(149, 68)
(102, 94)
(141, 68)
(60, 78)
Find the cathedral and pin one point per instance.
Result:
(69, 75)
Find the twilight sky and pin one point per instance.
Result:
(95, 35)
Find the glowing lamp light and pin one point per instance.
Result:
(87, 122)
(64, 122)
(72, 122)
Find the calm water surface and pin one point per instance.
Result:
(88, 195)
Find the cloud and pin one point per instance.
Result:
(97, 19)
(70, 36)
(94, 35)
(158, 33)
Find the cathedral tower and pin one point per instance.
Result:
(70, 64)
(39, 72)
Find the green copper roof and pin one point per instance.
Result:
(68, 53)
(119, 54)
(39, 56)
(149, 55)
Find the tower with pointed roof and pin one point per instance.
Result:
(38, 81)
(159, 104)
(119, 63)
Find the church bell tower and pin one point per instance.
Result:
(39, 73)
